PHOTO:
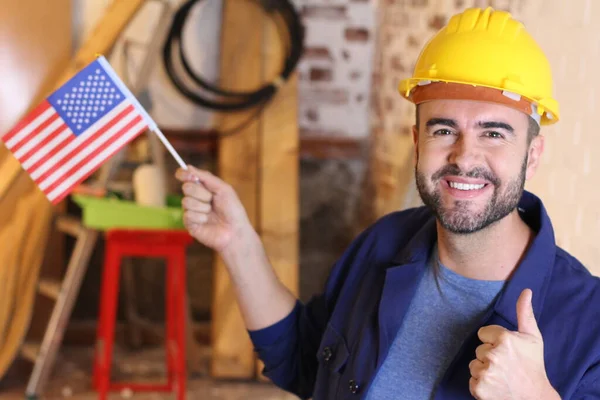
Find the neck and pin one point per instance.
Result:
(490, 254)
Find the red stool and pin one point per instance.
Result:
(170, 244)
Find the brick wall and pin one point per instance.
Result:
(567, 33)
(335, 72)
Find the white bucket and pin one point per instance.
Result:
(149, 186)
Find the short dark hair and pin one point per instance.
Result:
(533, 129)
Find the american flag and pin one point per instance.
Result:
(73, 131)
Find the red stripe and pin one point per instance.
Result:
(82, 145)
(51, 153)
(91, 156)
(43, 106)
(44, 142)
(34, 133)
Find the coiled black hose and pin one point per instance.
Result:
(232, 101)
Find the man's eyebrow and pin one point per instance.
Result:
(441, 121)
(496, 124)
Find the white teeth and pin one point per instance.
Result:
(465, 186)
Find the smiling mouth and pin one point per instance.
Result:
(466, 186)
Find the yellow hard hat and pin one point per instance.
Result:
(481, 50)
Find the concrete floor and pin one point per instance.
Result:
(72, 380)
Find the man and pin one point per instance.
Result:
(466, 297)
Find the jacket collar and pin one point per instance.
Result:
(535, 268)
(532, 273)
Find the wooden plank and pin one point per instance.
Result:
(36, 40)
(197, 141)
(241, 69)
(31, 31)
(279, 171)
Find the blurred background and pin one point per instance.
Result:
(329, 154)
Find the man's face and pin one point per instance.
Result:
(472, 160)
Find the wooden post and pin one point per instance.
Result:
(241, 69)
(261, 163)
(279, 172)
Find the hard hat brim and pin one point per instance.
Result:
(417, 91)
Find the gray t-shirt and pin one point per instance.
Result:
(433, 331)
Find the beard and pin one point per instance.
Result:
(458, 218)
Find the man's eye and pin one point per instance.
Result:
(442, 132)
(494, 135)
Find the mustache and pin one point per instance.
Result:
(475, 173)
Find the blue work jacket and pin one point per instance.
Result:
(332, 346)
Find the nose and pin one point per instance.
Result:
(465, 153)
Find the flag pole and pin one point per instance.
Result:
(153, 126)
(173, 152)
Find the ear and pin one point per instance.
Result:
(415, 132)
(536, 148)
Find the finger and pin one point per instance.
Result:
(193, 204)
(476, 367)
(197, 191)
(491, 334)
(481, 352)
(184, 175)
(212, 182)
(525, 316)
(192, 217)
(191, 227)
(473, 388)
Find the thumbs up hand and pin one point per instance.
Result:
(510, 365)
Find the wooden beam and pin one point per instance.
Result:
(36, 42)
(279, 169)
(238, 163)
(322, 148)
(27, 212)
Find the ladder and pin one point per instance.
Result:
(65, 292)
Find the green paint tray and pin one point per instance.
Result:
(104, 213)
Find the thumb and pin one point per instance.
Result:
(211, 182)
(525, 317)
